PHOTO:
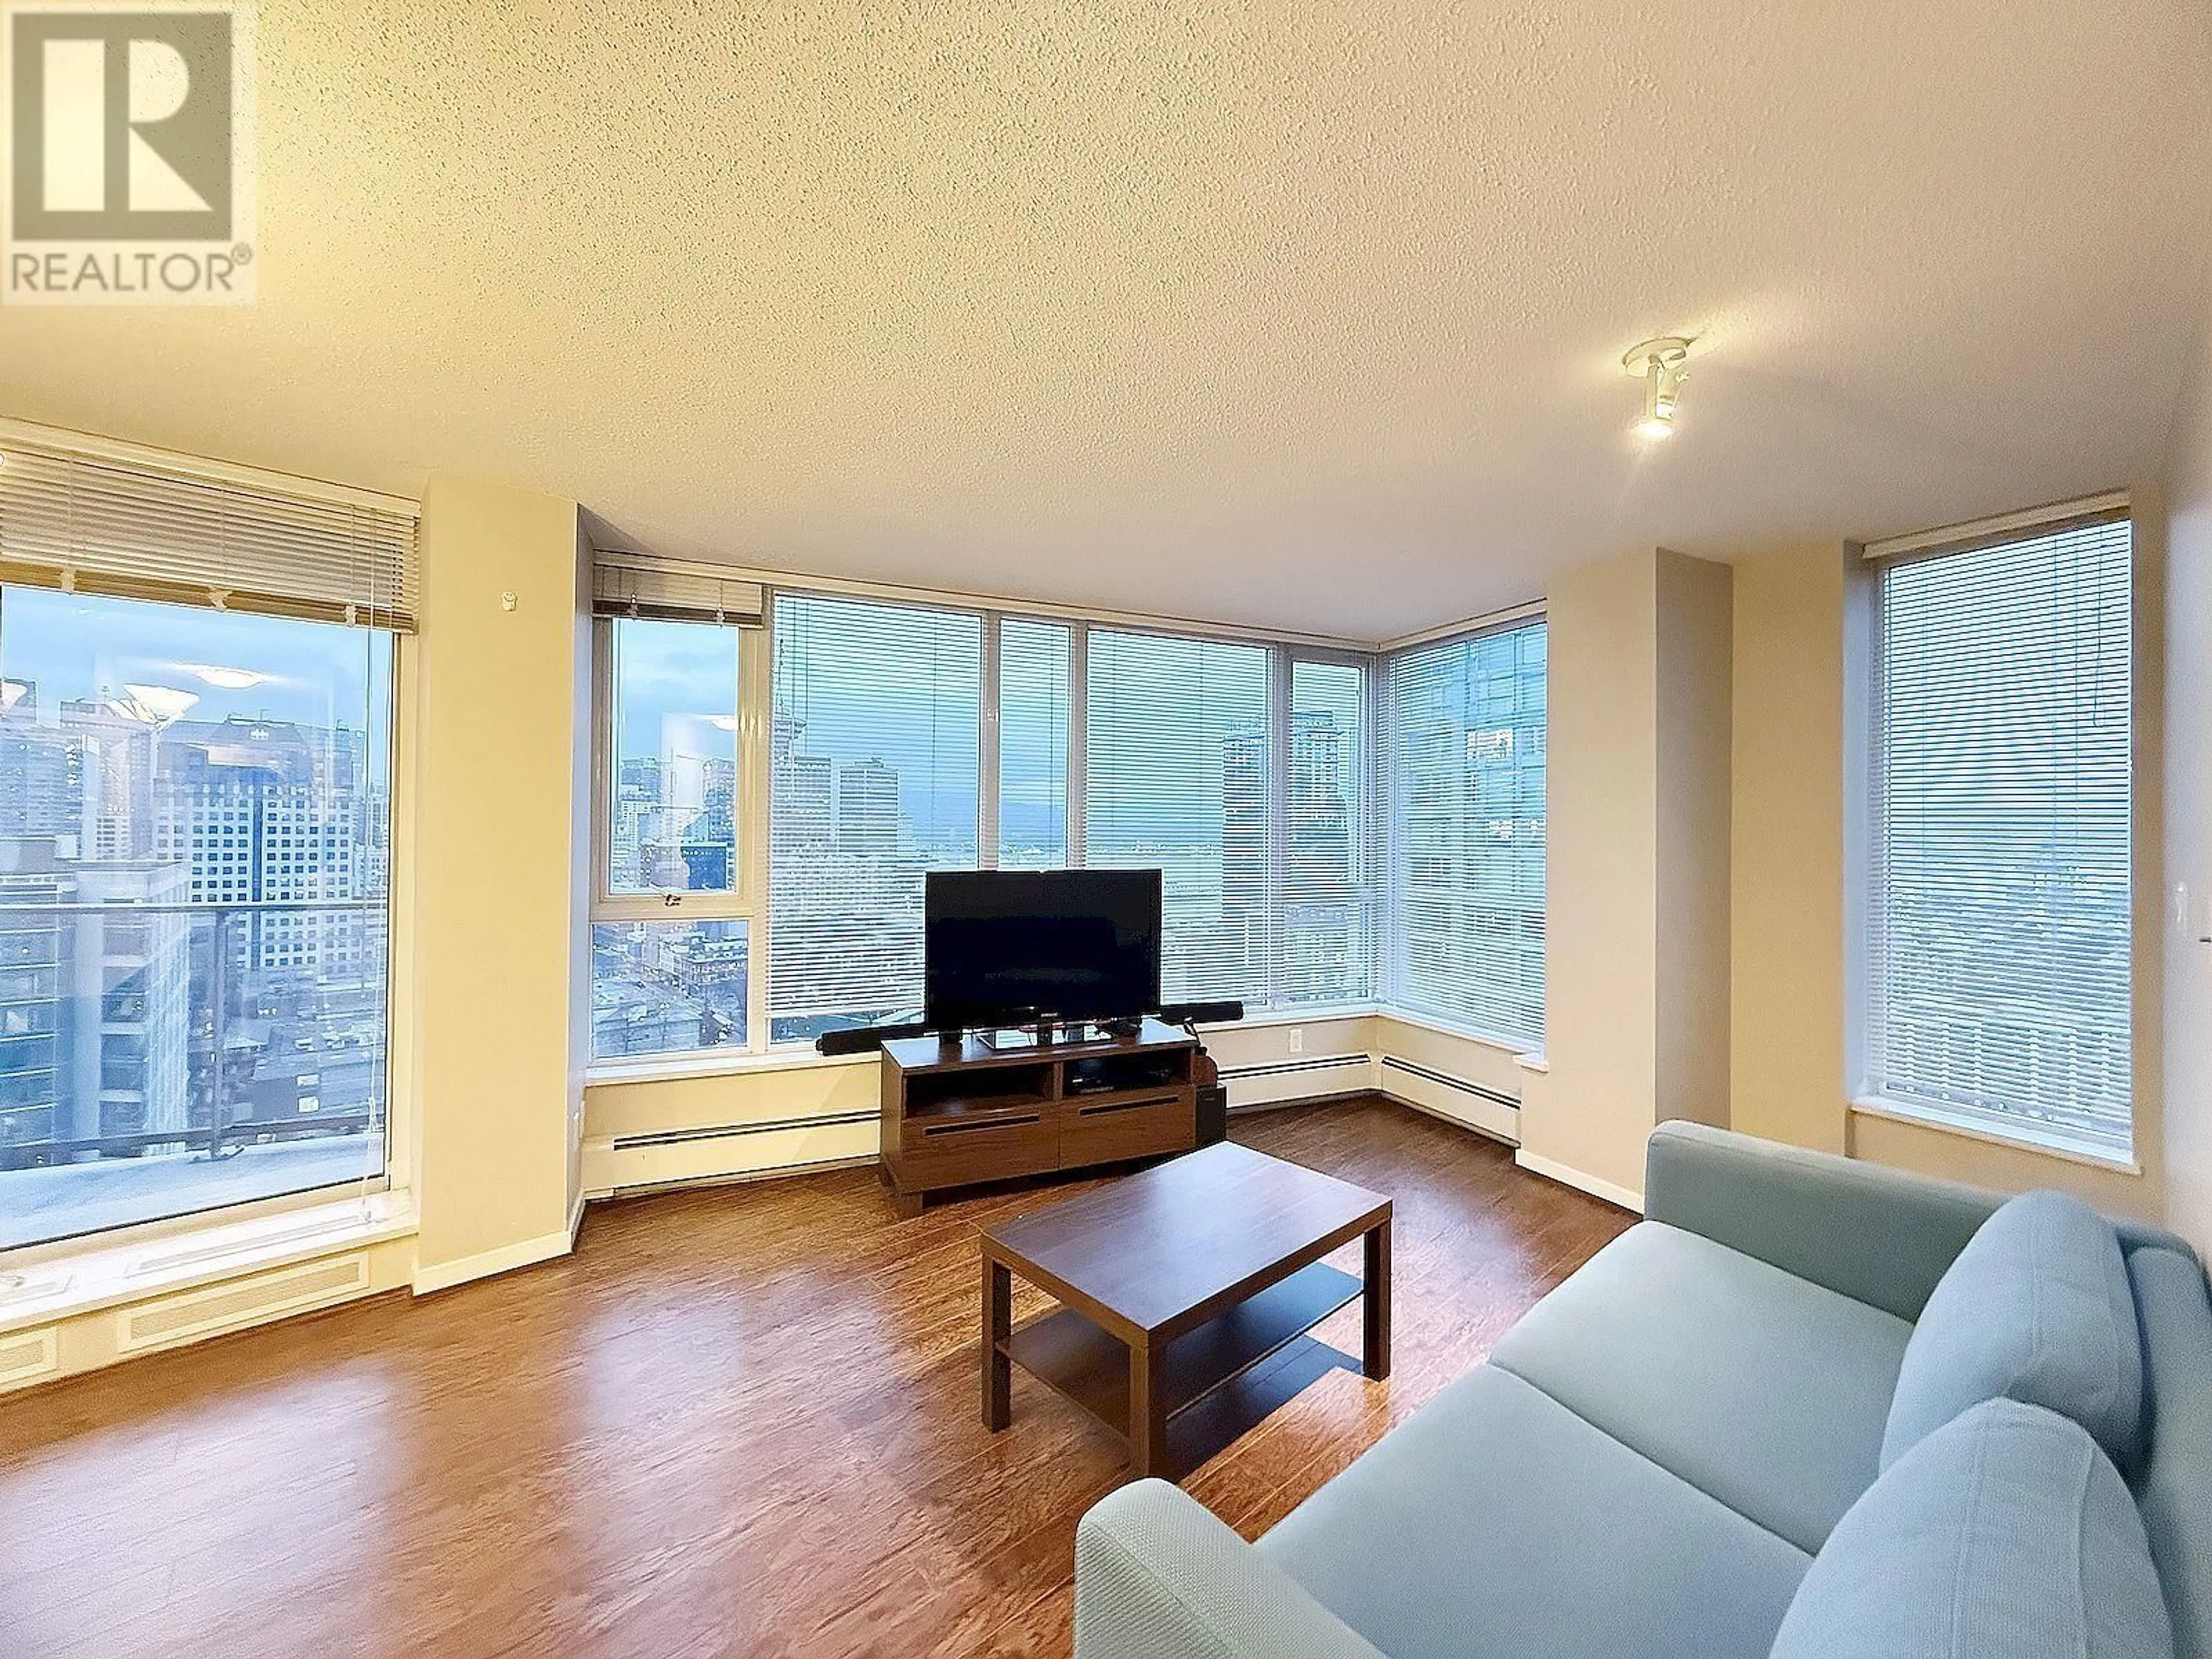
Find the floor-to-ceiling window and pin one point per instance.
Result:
(1179, 758)
(196, 849)
(876, 764)
(1464, 736)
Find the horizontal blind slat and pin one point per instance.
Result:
(2001, 932)
(874, 774)
(1178, 758)
(68, 518)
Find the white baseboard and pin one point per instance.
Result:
(1551, 1169)
(444, 1275)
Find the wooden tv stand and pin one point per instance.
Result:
(960, 1115)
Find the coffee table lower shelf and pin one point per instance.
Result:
(1221, 1378)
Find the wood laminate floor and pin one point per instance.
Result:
(740, 1420)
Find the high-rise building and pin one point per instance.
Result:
(867, 809)
(31, 950)
(95, 983)
(266, 815)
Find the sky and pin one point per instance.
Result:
(73, 645)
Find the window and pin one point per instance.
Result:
(2000, 934)
(1033, 685)
(1323, 935)
(1465, 752)
(678, 888)
(891, 739)
(193, 1010)
(1178, 744)
(674, 801)
(674, 780)
(876, 778)
(661, 987)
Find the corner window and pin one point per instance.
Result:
(1465, 746)
(2000, 935)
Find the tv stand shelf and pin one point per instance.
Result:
(962, 1114)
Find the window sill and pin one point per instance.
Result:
(2025, 1139)
(801, 1057)
(1444, 1028)
(88, 1281)
(671, 1068)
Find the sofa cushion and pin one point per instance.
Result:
(2175, 1311)
(1496, 1521)
(2036, 1308)
(1756, 1385)
(2007, 1531)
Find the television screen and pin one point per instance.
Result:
(1002, 947)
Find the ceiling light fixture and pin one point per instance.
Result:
(227, 679)
(153, 705)
(1660, 364)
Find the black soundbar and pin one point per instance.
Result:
(866, 1039)
(1201, 1013)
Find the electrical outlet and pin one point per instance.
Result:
(1297, 1039)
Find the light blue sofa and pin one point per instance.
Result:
(1792, 1412)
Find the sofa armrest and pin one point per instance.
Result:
(1880, 1236)
(1156, 1576)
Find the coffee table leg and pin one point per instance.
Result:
(1374, 1334)
(1148, 1420)
(998, 1326)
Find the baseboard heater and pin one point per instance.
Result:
(1290, 1067)
(1445, 1080)
(732, 1131)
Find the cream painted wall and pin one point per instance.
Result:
(501, 753)
(2186, 906)
(1590, 1116)
(1786, 874)
(1695, 604)
(1636, 1008)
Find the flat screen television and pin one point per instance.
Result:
(1003, 947)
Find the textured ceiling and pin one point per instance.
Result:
(1298, 316)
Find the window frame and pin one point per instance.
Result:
(747, 900)
(750, 903)
(1866, 829)
(1390, 945)
(395, 1179)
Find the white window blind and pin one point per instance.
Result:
(1033, 687)
(1323, 933)
(135, 525)
(1465, 746)
(2001, 931)
(873, 760)
(1176, 751)
(639, 586)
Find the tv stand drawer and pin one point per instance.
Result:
(1110, 1129)
(953, 1150)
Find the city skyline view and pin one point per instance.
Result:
(195, 863)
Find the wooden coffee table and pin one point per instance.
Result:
(1187, 1291)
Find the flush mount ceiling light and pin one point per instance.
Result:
(227, 679)
(152, 705)
(1660, 364)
